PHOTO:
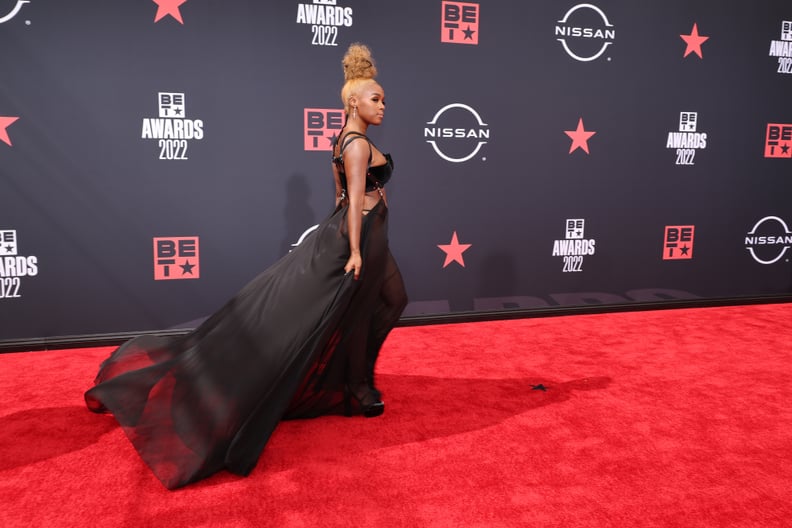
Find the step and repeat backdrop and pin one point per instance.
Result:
(157, 154)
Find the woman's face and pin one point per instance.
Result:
(371, 104)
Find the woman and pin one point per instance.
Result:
(300, 340)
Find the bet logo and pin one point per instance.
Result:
(778, 142)
(459, 23)
(176, 258)
(678, 242)
(321, 127)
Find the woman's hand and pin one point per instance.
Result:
(340, 193)
(354, 264)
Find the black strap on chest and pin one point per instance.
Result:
(352, 136)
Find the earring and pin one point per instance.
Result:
(354, 112)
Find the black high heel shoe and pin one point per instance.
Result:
(368, 399)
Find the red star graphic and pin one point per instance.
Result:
(580, 137)
(168, 7)
(454, 251)
(694, 42)
(5, 122)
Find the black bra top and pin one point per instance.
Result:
(376, 176)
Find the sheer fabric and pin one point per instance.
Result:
(286, 346)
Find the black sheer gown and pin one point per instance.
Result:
(288, 345)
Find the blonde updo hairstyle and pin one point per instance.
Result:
(359, 69)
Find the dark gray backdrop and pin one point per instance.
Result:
(85, 194)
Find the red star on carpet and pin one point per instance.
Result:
(5, 122)
(580, 137)
(454, 251)
(694, 42)
(168, 7)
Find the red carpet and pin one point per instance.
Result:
(659, 418)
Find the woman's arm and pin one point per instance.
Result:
(356, 158)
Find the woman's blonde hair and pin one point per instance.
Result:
(359, 69)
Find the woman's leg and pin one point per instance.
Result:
(392, 301)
